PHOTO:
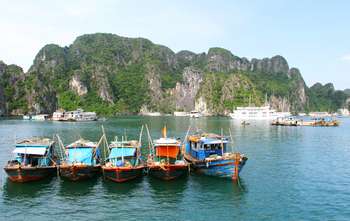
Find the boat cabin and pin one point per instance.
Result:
(83, 152)
(167, 150)
(123, 153)
(203, 146)
(36, 152)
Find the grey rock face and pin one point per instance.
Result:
(275, 65)
(185, 93)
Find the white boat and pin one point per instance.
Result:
(257, 113)
(181, 114)
(27, 117)
(77, 115)
(151, 114)
(195, 114)
(40, 117)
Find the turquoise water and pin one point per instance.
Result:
(293, 173)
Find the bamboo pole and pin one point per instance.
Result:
(222, 143)
(232, 143)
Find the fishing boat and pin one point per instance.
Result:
(195, 114)
(166, 159)
(207, 153)
(80, 160)
(34, 160)
(289, 121)
(124, 161)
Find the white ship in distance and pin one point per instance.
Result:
(258, 113)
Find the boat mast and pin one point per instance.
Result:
(139, 145)
(232, 143)
(222, 144)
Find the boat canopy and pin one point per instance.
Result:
(122, 152)
(213, 141)
(30, 150)
(80, 155)
(167, 151)
(164, 141)
(208, 139)
(81, 143)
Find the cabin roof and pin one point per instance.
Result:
(122, 152)
(82, 143)
(35, 141)
(208, 138)
(165, 141)
(129, 144)
(37, 150)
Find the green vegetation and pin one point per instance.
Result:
(122, 75)
(325, 98)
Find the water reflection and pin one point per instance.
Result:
(168, 192)
(70, 189)
(113, 189)
(30, 190)
(225, 189)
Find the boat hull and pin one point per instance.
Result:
(224, 168)
(122, 174)
(27, 174)
(79, 172)
(168, 172)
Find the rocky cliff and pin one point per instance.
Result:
(112, 74)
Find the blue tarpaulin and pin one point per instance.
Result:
(80, 155)
(119, 152)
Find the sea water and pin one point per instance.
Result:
(292, 173)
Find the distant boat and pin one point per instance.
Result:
(166, 159)
(288, 121)
(34, 160)
(195, 114)
(316, 122)
(181, 114)
(257, 113)
(208, 154)
(77, 115)
(40, 117)
(80, 160)
(151, 114)
(124, 161)
(27, 117)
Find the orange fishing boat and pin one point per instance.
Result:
(166, 159)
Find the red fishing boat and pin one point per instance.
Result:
(34, 160)
(81, 161)
(124, 161)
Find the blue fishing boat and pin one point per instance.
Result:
(34, 160)
(81, 161)
(208, 155)
(124, 161)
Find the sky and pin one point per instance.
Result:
(313, 36)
